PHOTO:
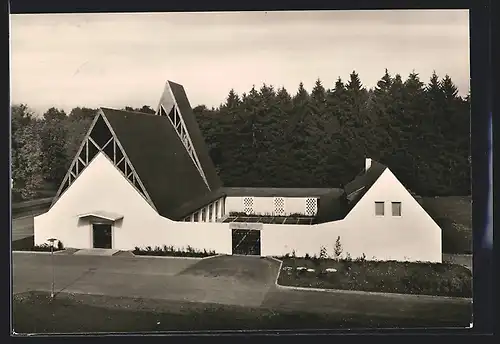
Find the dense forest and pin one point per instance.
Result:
(271, 137)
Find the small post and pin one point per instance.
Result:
(52, 240)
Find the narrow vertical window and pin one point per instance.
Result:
(396, 208)
(379, 208)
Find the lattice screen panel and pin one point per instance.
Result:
(311, 206)
(248, 205)
(279, 206)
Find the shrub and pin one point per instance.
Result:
(237, 213)
(316, 260)
(321, 274)
(337, 250)
(172, 252)
(41, 248)
(323, 253)
(60, 245)
(307, 256)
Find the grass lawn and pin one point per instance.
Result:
(454, 215)
(389, 277)
(34, 312)
(23, 244)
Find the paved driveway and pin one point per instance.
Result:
(245, 281)
(161, 278)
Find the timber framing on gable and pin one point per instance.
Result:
(101, 138)
(175, 118)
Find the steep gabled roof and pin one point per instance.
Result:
(160, 160)
(174, 103)
(358, 187)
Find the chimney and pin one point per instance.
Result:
(368, 163)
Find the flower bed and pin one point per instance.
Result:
(390, 276)
(170, 251)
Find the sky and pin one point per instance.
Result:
(118, 60)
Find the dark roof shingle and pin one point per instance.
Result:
(358, 187)
(279, 192)
(160, 160)
(196, 135)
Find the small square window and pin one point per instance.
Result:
(379, 208)
(396, 208)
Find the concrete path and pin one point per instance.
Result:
(96, 252)
(245, 281)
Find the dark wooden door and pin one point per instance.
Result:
(246, 242)
(102, 235)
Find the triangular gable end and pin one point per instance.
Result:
(168, 107)
(416, 202)
(101, 138)
(395, 178)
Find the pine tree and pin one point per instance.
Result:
(283, 96)
(301, 96)
(381, 110)
(455, 131)
(410, 149)
(337, 149)
(232, 100)
(318, 94)
(356, 124)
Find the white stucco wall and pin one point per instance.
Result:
(414, 236)
(265, 205)
(102, 187)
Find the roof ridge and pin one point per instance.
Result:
(127, 111)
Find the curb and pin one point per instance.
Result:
(279, 271)
(39, 252)
(360, 292)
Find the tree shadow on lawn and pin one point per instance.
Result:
(35, 312)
